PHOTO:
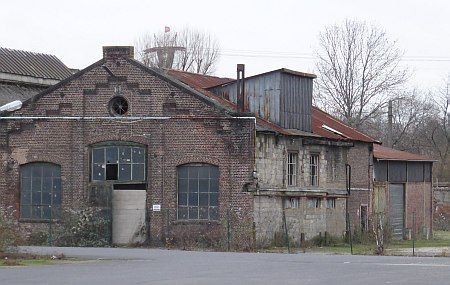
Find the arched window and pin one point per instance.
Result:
(117, 161)
(198, 192)
(40, 191)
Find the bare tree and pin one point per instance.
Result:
(187, 50)
(420, 125)
(358, 70)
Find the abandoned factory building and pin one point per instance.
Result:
(177, 152)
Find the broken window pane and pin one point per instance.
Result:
(124, 154)
(111, 171)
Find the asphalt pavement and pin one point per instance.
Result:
(158, 266)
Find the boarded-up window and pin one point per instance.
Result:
(40, 191)
(381, 170)
(397, 171)
(415, 171)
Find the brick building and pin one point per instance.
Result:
(169, 155)
(181, 152)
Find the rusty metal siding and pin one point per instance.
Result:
(279, 97)
(296, 102)
(262, 95)
(397, 171)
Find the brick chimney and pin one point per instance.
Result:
(113, 52)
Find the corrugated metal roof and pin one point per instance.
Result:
(197, 80)
(37, 65)
(327, 126)
(12, 92)
(386, 153)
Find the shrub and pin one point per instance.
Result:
(86, 227)
(9, 235)
(37, 238)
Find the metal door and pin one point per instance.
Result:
(397, 209)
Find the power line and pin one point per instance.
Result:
(309, 56)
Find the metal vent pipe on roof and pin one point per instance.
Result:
(240, 87)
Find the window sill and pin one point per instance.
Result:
(36, 221)
(195, 222)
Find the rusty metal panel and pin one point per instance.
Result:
(295, 107)
(381, 170)
(282, 98)
(415, 171)
(397, 171)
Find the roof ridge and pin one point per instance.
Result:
(194, 73)
(31, 52)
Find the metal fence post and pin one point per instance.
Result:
(414, 233)
(228, 230)
(286, 234)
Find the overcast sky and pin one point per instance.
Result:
(271, 34)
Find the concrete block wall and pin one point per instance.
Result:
(268, 215)
(271, 163)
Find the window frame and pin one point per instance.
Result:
(314, 178)
(55, 193)
(317, 203)
(332, 201)
(212, 210)
(292, 160)
(131, 163)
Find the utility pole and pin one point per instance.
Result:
(390, 116)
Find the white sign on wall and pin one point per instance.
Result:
(157, 208)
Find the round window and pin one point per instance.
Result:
(118, 106)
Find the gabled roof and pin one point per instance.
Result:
(197, 80)
(328, 126)
(204, 96)
(385, 153)
(38, 65)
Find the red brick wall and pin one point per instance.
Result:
(185, 138)
(419, 200)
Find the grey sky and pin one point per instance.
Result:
(75, 31)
